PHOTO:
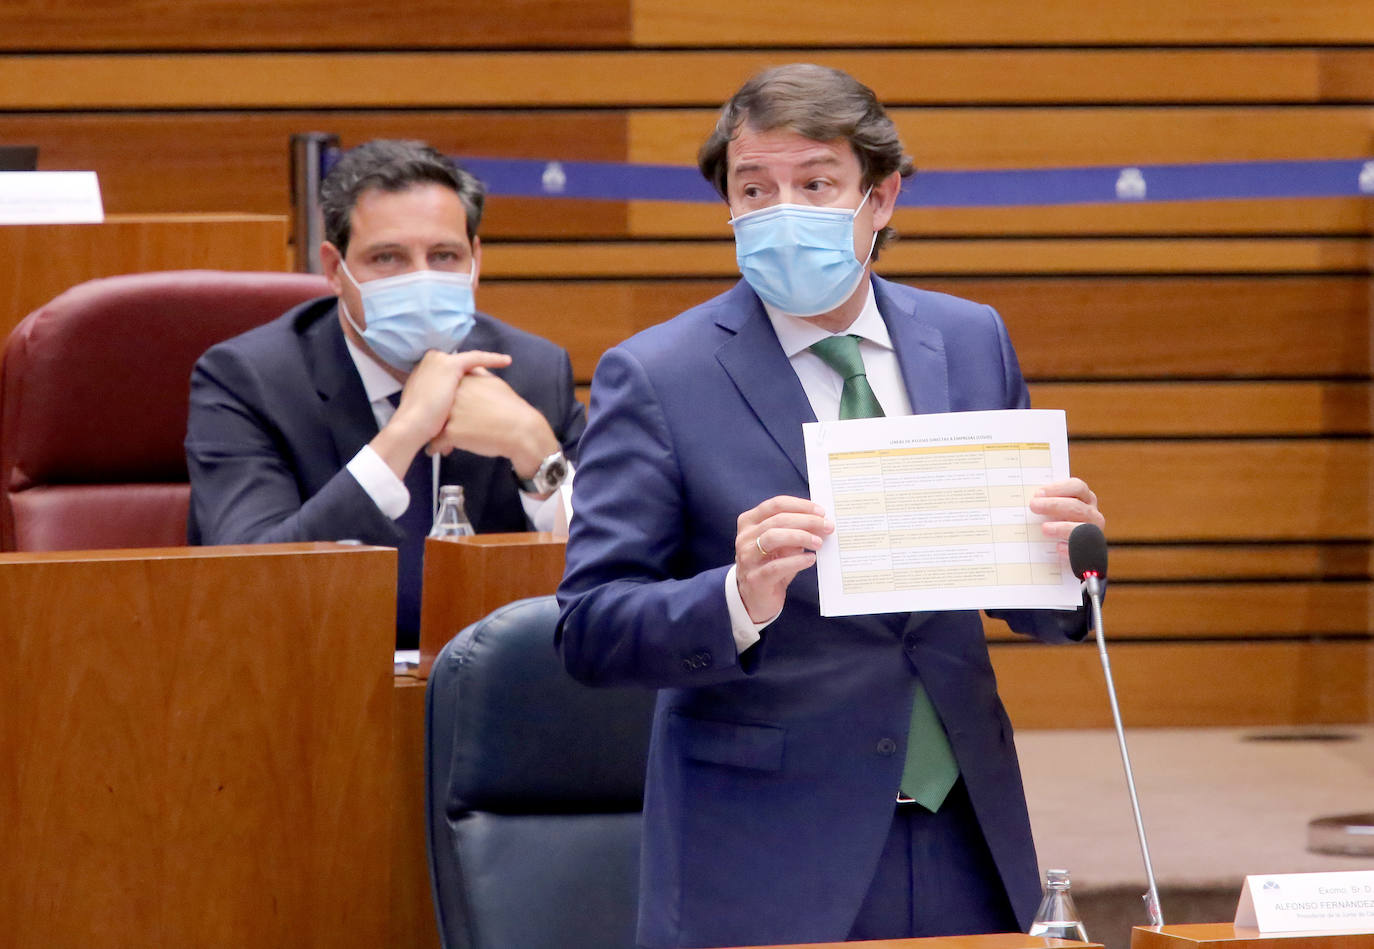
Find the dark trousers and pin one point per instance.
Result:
(935, 877)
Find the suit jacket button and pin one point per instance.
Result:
(909, 642)
(887, 747)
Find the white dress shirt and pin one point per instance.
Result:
(375, 476)
(823, 387)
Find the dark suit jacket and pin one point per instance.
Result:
(278, 411)
(772, 774)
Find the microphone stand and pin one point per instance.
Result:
(1093, 585)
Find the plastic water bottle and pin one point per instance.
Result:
(1057, 916)
(452, 520)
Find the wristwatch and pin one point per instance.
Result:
(552, 472)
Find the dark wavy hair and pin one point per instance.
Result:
(392, 165)
(820, 103)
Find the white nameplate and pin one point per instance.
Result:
(50, 197)
(406, 661)
(1298, 902)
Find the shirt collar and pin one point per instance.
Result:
(377, 382)
(797, 333)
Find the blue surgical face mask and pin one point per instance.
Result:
(800, 258)
(412, 313)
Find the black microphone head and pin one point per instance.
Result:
(1088, 551)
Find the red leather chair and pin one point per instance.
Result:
(93, 396)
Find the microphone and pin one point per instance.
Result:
(1088, 552)
(1088, 560)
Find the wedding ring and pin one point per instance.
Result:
(760, 547)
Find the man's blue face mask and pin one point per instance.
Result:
(800, 258)
(412, 313)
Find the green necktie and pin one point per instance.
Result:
(930, 769)
(841, 353)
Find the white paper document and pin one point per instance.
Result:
(931, 512)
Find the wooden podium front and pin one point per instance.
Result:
(985, 941)
(1228, 936)
(197, 747)
(467, 578)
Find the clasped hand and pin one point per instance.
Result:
(452, 400)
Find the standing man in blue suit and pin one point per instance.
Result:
(779, 798)
(341, 418)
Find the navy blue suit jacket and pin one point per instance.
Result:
(278, 411)
(772, 774)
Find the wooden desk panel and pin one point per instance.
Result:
(189, 760)
(467, 578)
(1047, 137)
(999, 22)
(1255, 611)
(1266, 217)
(209, 162)
(413, 923)
(1237, 327)
(1228, 936)
(44, 260)
(1219, 490)
(1187, 684)
(514, 79)
(923, 257)
(984, 941)
(138, 25)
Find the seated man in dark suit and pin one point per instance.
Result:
(340, 419)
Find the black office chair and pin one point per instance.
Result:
(534, 788)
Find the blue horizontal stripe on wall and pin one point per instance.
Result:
(614, 181)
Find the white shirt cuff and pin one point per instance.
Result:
(745, 631)
(386, 490)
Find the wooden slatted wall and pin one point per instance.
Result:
(1214, 357)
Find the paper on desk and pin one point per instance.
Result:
(50, 197)
(931, 512)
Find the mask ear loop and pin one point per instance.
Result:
(874, 241)
(343, 304)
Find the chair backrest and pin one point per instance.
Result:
(93, 397)
(534, 787)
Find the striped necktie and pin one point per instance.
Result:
(930, 769)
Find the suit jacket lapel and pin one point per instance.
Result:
(920, 351)
(343, 400)
(761, 372)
